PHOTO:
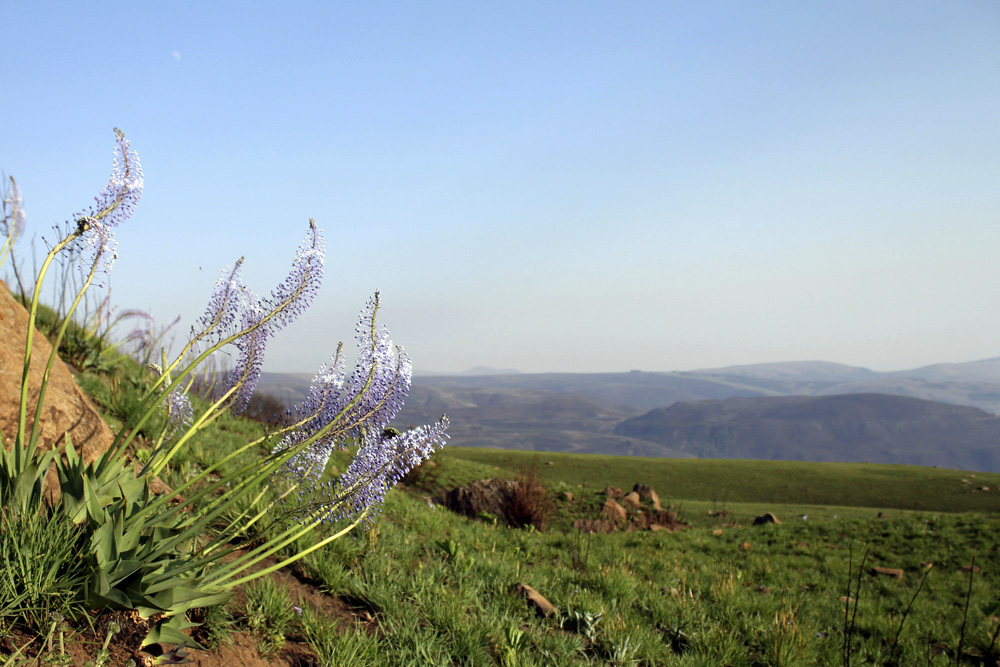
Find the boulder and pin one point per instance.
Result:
(765, 519)
(613, 492)
(613, 511)
(66, 409)
(646, 492)
(492, 496)
(632, 500)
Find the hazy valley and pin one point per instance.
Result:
(944, 415)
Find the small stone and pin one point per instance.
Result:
(745, 546)
(535, 599)
(887, 572)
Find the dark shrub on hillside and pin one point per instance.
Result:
(528, 502)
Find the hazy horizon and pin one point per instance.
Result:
(547, 187)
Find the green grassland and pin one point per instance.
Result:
(429, 587)
(771, 482)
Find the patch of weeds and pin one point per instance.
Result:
(513, 643)
(218, 625)
(321, 634)
(529, 502)
(41, 575)
(268, 614)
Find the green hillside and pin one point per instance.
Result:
(778, 482)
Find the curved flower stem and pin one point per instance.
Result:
(263, 551)
(36, 424)
(207, 417)
(22, 412)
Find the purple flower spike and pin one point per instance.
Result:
(180, 411)
(264, 319)
(247, 371)
(296, 293)
(381, 378)
(95, 244)
(13, 220)
(321, 406)
(383, 459)
(229, 297)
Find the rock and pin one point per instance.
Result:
(492, 496)
(973, 569)
(882, 515)
(656, 527)
(887, 572)
(613, 511)
(613, 492)
(66, 410)
(718, 531)
(765, 519)
(535, 599)
(568, 496)
(745, 546)
(632, 500)
(646, 492)
(550, 463)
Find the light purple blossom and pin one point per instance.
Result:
(322, 405)
(251, 346)
(336, 414)
(382, 460)
(179, 411)
(381, 378)
(259, 320)
(95, 246)
(13, 219)
(296, 293)
(229, 297)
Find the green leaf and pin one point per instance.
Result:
(171, 631)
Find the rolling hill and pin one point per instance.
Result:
(875, 428)
(809, 410)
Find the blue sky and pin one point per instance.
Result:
(547, 186)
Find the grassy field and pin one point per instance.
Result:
(428, 587)
(731, 481)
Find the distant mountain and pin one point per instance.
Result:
(986, 370)
(617, 413)
(478, 371)
(797, 371)
(877, 428)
